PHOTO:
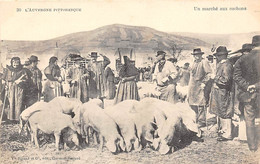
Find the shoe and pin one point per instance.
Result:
(221, 139)
(253, 149)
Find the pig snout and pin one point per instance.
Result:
(111, 146)
(164, 148)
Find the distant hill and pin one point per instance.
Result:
(107, 39)
(144, 41)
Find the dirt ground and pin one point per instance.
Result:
(18, 149)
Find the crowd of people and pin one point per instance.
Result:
(214, 84)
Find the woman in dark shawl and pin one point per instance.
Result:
(53, 86)
(16, 78)
(127, 88)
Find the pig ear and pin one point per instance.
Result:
(154, 125)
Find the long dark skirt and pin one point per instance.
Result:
(16, 97)
(111, 90)
(126, 91)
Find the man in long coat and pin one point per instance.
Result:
(247, 77)
(200, 75)
(77, 78)
(96, 79)
(35, 95)
(222, 94)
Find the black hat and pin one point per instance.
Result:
(172, 59)
(33, 58)
(256, 40)
(160, 53)
(221, 50)
(93, 55)
(197, 51)
(186, 64)
(245, 48)
(210, 57)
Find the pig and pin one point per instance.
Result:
(96, 118)
(65, 105)
(170, 133)
(183, 110)
(26, 114)
(126, 124)
(145, 117)
(79, 111)
(60, 104)
(51, 122)
(179, 122)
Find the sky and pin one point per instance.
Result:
(164, 15)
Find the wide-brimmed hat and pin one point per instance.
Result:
(256, 40)
(221, 50)
(33, 58)
(187, 64)
(245, 48)
(197, 51)
(93, 55)
(173, 59)
(210, 57)
(160, 53)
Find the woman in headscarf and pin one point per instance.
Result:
(16, 78)
(53, 86)
(110, 88)
(127, 88)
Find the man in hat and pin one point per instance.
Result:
(247, 77)
(234, 56)
(96, 81)
(166, 76)
(77, 78)
(222, 94)
(36, 78)
(200, 75)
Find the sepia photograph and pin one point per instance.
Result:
(130, 81)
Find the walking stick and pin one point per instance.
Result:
(2, 113)
(205, 107)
